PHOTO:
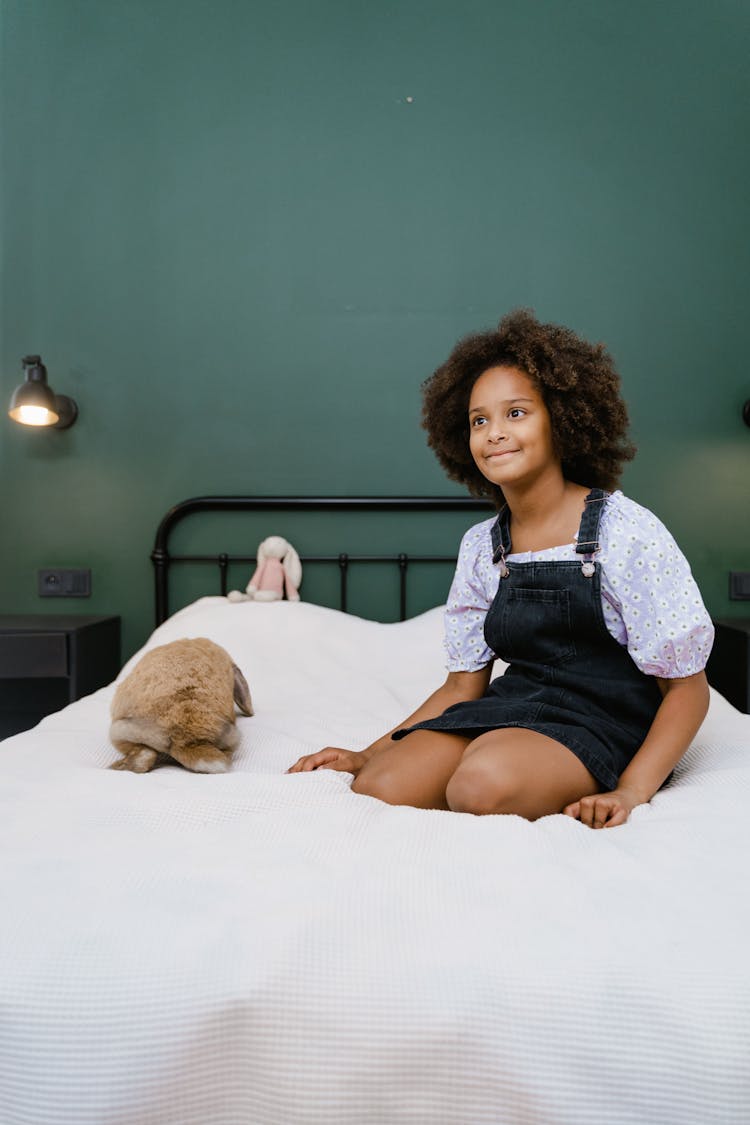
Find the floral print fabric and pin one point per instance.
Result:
(650, 600)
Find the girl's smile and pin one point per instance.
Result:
(510, 433)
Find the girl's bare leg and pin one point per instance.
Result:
(518, 771)
(414, 771)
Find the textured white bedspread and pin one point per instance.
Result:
(259, 948)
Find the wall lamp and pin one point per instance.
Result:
(34, 403)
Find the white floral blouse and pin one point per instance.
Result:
(650, 600)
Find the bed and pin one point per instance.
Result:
(271, 949)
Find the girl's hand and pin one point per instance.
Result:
(330, 758)
(604, 810)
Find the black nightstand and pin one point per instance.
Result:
(728, 667)
(48, 661)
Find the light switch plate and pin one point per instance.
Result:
(739, 585)
(64, 583)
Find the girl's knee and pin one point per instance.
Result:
(376, 780)
(476, 789)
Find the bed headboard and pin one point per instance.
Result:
(163, 559)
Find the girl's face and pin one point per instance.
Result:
(510, 432)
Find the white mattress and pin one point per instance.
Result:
(255, 947)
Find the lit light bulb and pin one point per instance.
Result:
(34, 403)
(35, 416)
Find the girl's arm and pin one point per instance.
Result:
(681, 712)
(459, 687)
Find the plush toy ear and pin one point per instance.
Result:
(261, 556)
(292, 566)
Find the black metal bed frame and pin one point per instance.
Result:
(163, 559)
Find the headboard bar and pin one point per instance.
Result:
(162, 559)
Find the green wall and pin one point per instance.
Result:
(240, 234)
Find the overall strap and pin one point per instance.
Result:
(500, 532)
(588, 532)
(587, 543)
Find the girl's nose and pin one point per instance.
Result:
(497, 436)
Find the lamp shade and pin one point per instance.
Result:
(34, 403)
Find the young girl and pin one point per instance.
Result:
(580, 590)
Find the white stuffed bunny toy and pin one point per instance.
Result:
(278, 571)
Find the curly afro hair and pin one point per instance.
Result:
(579, 385)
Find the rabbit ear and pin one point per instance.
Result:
(292, 566)
(261, 556)
(242, 692)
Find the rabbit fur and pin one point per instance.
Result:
(178, 703)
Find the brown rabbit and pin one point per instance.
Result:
(178, 702)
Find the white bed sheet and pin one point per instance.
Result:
(255, 947)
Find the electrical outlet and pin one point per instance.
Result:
(739, 585)
(61, 583)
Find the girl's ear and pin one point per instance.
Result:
(292, 566)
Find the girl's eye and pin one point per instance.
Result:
(478, 420)
(516, 412)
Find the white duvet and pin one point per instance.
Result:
(263, 948)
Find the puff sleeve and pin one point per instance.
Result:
(471, 594)
(647, 583)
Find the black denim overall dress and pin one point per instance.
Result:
(568, 677)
